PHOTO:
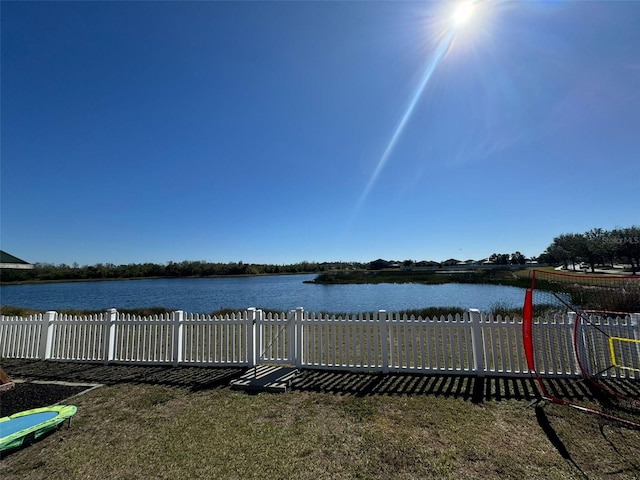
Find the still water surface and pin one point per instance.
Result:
(282, 292)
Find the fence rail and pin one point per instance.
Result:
(472, 343)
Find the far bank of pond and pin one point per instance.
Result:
(515, 277)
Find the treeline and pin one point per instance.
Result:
(104, 271)
(595, 247)
(508, 259)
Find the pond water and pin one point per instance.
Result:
(279, 292)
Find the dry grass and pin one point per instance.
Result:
(148, 430)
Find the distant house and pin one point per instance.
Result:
(450, 263)
(380, 264)
(9, 261)
(466, 262)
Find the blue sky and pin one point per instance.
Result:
(256, 131)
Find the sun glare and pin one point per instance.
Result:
(446, 27)
(462, 13)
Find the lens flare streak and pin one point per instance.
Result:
(433, 63)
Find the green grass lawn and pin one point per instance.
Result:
(142, 429)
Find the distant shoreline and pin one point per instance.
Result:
(512, 275)
(159, 277)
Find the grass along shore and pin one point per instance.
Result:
(497, 309)
(519, 277)
(341, 276)
(498, 275)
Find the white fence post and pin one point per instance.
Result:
(384, 335)
(477, 342)
(634, 321)
(571, 320)
(296, 339)
(46, 335)
(251, 336)
(178, 319)
(109, 341)
(391, 349)
(258, 338)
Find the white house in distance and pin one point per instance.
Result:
(9, 261)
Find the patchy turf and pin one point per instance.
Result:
(329, 425)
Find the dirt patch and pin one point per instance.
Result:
(25, 396)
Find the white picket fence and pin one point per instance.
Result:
(473, 343)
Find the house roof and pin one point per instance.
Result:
(9, 261)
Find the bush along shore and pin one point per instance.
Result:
(509, 277)
(496, 309)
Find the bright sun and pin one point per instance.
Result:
(462, 13)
